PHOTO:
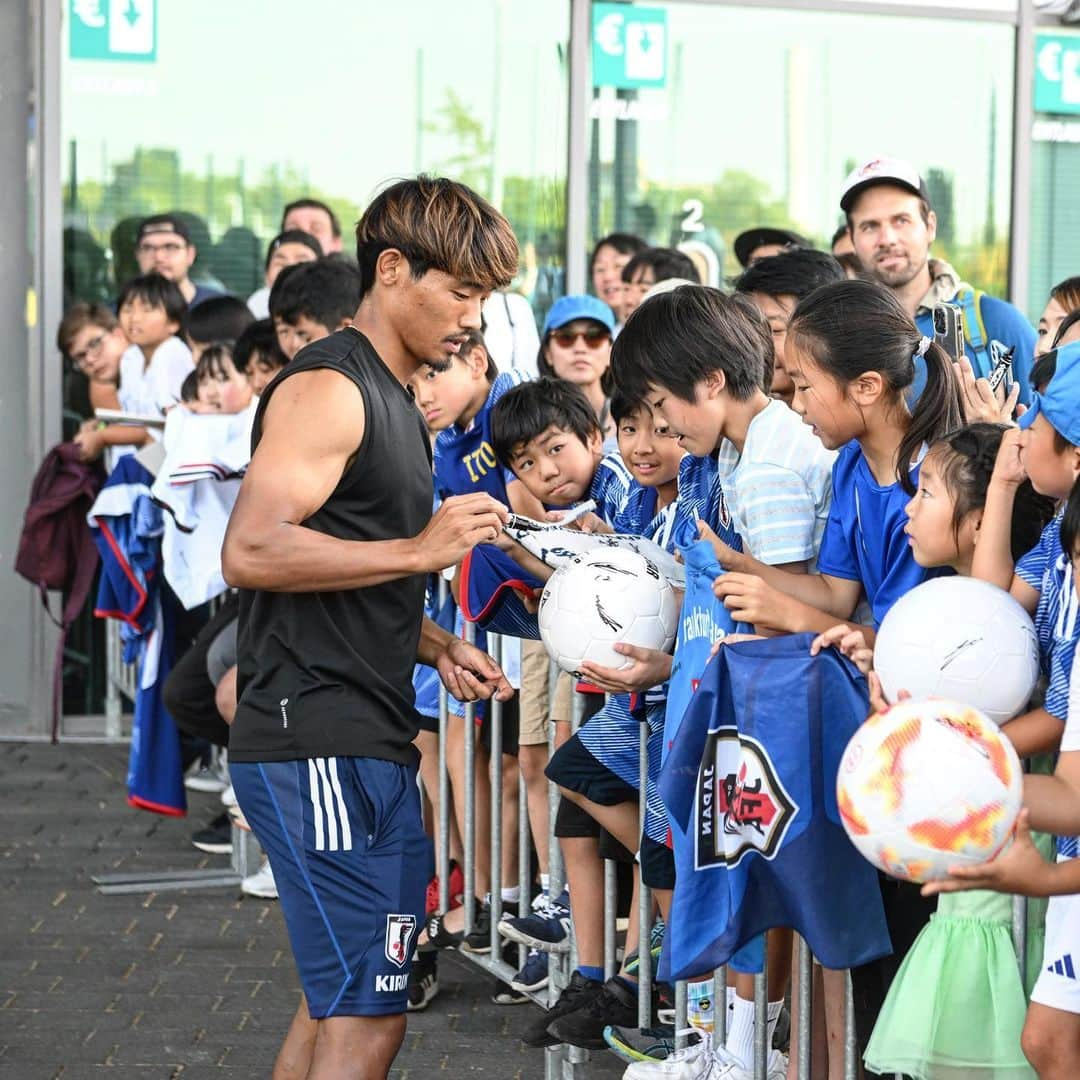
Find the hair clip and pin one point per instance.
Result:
(924, 344)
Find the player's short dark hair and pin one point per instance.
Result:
(155, 291)
(797, 273)
(312, 204)
(218, 318)
(529, 409)
(437, 224)
(258, 342)
(664, 262)
(680, 337)
(326, 291)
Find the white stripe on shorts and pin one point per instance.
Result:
(313, 784)
(346, 831)
(328, 803)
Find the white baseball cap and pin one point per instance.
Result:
(882, 170)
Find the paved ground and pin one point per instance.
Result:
(194, 984)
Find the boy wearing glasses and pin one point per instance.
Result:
(575, 346)
(163, 246)
(91, 338)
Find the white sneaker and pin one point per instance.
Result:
(725, 1067)
(693, 1062)
(207, 776)
(228, 797)
(261, 883)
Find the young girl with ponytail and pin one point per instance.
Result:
(851, 355)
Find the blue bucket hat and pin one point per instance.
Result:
(1060, 401)
(568, 308)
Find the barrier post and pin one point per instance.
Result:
(645, 973)
(804, 1029)
(851, 1042)
(443, 861)
(720, 1006)
(1020, 934)
(468, 841)
(495, 765)
(761, 1018)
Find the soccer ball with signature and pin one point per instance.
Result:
(962, 639)
(603, 597)
(927, 785)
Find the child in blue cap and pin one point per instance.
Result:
(576, 346)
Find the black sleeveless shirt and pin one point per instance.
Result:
(330, 673)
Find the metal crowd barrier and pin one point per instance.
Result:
(120, 680)
(569, 1062)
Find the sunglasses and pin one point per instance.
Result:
(594, 337)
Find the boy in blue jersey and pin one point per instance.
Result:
(548, 434)
(700, 361)
(597, 768)
(456, 398)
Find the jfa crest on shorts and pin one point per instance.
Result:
(399, 935)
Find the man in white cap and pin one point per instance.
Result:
(892, 227)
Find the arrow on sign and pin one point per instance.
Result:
(132, 13)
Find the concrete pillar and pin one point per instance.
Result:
(29, 390)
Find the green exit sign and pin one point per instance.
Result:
(1057, 73)
(629, 46)
(113, 30)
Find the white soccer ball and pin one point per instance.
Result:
(959, 638)
(603, 597)
(927, 785)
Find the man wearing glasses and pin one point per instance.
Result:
(163, 245)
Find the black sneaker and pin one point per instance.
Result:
(502, 994)
(479, 941)
(216, 838)
(616, 1005)
(423, 981)
(576, 993)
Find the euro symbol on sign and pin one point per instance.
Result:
(1049, 61)
(89, 13)
(609, 34)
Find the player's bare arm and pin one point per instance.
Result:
(312, 429)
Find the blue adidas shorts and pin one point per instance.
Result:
(351, 862)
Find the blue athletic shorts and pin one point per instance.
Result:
(351, 862)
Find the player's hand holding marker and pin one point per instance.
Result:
(462, 522)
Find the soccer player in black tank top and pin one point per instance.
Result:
(329, 541)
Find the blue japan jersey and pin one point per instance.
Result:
(463, 458)
(750, 788)
(864, 538)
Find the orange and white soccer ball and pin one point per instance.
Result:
(927, 785)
